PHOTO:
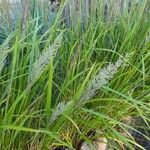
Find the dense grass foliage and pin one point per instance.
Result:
(60, 84)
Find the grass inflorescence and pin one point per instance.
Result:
(72, 72)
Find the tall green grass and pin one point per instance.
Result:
(60, 83)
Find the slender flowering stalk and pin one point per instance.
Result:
(44, 59)
(101, 79)
(60, 109)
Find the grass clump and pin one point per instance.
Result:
(61, 84)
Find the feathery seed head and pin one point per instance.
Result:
(3, 55)
(59, 110)
(44, 59)
(101, 79)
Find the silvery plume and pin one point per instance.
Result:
(44, 59)
(59, 110)
(101, 79)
